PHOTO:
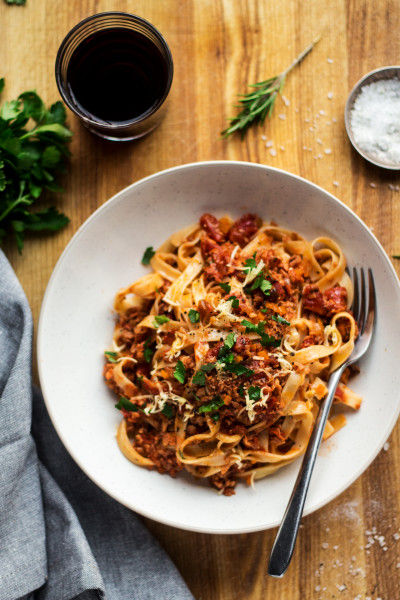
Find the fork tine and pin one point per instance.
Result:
(356, 304)
(363, 312)
(370, 319)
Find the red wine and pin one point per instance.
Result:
(117, 75)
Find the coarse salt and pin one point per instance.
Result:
(375, 120)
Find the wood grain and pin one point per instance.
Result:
(348, 549)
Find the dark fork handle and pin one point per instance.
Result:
(285, 540)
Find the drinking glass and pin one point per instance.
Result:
(114, 71)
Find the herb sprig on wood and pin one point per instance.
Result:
(259, 103)
(33, 151)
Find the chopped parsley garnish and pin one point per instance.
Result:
(180, 372)
(256, 282)
(241, 391)
(254, 393)
(148, 255)
(260, 283)
(168, 411)
(269, 340)
(208, 367)
(112, 356)
(224, 356)
(234, 300)
(149, 349)
(266, 286)
(230, 340)
(226, 287)
(194, 316)
(212, 406)
(249, 326)
(250, 264)
(266, 340)
(215, 417)
(280, 319)
(199, 378)
(125, 404)
(160, 320)
(238, 369)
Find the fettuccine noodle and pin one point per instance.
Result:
(221, 355)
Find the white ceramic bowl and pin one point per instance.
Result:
(76, 325)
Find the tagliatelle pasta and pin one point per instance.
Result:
(221, 355)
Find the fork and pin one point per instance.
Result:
(364, 311)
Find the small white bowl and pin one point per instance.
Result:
(76, 325)
(379, 74)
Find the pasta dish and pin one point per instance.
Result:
(221, 354)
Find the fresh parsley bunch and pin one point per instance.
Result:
(33, 150)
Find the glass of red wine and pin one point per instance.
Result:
(114, 71)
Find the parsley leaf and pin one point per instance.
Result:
(148, 255)
(224, 356)
(194, 316)
(208, 367)
(168, 411)
(226, 287)
(126, 404)
(266, 287)
(260, 283)
(212, 406)
(250, 263)
(199, 378)
(268, 340)
(254, 393)
(160, 320)
(180, 372)
(249, 326)
(230, 340)
(111, 356)
(280, 319)
(238, 369)
(256, 283)
(31, 158)
(149, 349)
(234, 300)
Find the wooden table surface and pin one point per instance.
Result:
(350, 548)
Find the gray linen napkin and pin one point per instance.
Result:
(61, 537)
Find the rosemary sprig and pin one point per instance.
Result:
(259, 104)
